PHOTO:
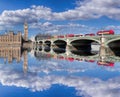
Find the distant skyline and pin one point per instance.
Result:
(60, 17)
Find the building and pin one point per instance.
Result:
(14, 39)
(10, 53)
(14, 53)
(10, 39)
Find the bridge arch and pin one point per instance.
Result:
(48, 43)
(40, 42)
(60, 43)
(83, 44)
(47, 49)
(87, 39)
(112, 40)
(114, 45)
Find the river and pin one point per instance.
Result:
(58, 73)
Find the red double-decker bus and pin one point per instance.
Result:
(111, 64)
(106, 32)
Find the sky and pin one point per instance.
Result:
(60, 17)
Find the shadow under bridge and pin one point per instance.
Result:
(48, 43)
(115, 47)
(60, 44)
(83, 44)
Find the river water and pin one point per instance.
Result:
(58, 73)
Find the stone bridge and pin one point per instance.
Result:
(106, 40)
(68, 55)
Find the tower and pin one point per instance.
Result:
(25, 31)
(25, 63)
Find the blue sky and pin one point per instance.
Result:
(53, 4)
(60, 17)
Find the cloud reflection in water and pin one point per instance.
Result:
(87, 86)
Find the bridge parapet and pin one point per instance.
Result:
(94, 38)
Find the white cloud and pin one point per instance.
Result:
(32, 14)
(48, 27)
(47, 24)
(102, 7)
(87, 86)
(112, 27)
(86, 9)
(93, 87)
(32, 38)
(52, 31)
(91, 9)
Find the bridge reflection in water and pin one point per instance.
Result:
(103, 56)
(10, 53)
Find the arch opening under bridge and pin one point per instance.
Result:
(83, 44)
(41, 42)
(48, 43)
(115, 46)
(60, 44)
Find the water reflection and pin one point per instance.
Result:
(11, 53)
(46, 69)
(79, 55)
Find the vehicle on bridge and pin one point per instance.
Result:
(49, 37)
(78, 35)
(60, 57)
(69, 59)
(89, 60)
(106, 32)
(90, 34)
(111, 64)
(70, 35)
(79, 59)
(55, 36)
(61, 36)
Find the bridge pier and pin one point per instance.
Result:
(104, 49)
(68, 50)
(69, 46)
(42, 48)
(102, 52)
(52, 44)
(44, 44)
(51, 51)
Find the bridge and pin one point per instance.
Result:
(68, 55)
(83, 42)
(107, 40)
